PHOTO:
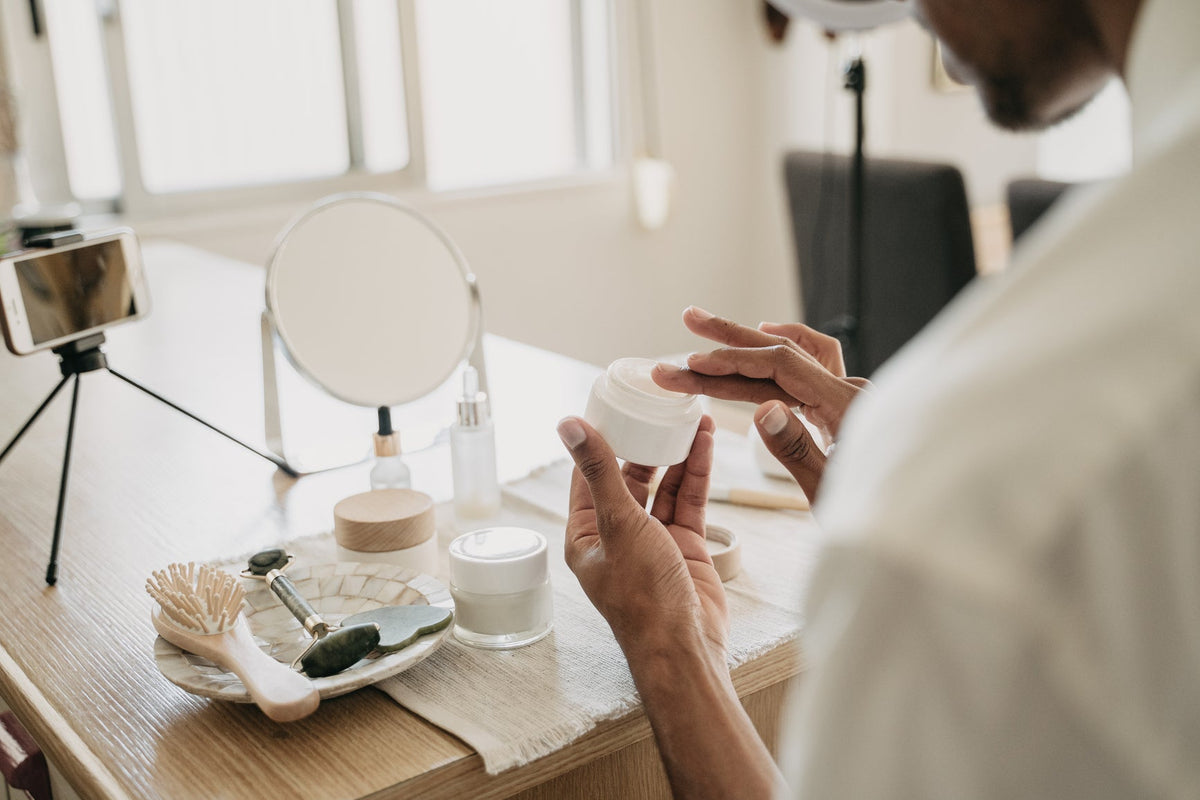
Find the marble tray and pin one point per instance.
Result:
(335, 590)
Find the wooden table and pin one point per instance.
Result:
(149, 486)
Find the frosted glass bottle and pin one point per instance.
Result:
(473, 454)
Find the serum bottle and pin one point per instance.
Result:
(390, 471)
(473, 454)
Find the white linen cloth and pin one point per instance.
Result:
(514, 706)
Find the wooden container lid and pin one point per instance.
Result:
(384, 520)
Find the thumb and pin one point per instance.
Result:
(598, 482)
(790, 442)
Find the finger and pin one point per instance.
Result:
(725, 331)
(721, 387)
(692, 497)
(602, 479)
(790, 442)
(638, 479)
(826, 349)
(796, 373)
(667, 495)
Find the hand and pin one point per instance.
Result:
(651, 577)
(790, 364)
(649, 574)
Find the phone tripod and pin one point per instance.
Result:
(76, 358)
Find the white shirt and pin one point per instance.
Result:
(1008, 605)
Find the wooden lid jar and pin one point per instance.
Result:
(396, 526)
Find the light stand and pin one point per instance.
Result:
(846, 327)
(856, 81)
(76, 358)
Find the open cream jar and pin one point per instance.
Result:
(640, 420)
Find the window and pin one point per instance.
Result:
(168, 103)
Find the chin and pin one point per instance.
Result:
(1008, 105)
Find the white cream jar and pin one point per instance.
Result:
(642, 422)
(500, 581)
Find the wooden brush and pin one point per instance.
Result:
(200, 610)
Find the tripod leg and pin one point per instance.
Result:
(279, 462)
(36, 414)
(52, 567)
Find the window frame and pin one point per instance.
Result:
(29, 57)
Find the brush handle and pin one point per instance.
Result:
(301, 609)
(758, 499)
(283, 694)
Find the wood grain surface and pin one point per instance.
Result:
(149, 486)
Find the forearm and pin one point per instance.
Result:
(707, 742)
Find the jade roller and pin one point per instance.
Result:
(332, 648)
(399, 626)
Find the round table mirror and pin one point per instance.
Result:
(371, 300)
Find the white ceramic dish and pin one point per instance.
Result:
(336, 591)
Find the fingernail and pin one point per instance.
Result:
(571, 433)
(664, 367)
(700, 313)
(774, 420)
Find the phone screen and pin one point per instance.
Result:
(74, 290)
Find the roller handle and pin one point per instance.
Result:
(286, 591)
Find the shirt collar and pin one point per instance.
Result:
(1164, 59)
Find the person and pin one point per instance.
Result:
(1007, 599)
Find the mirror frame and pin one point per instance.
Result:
(472, 351)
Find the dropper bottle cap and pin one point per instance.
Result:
(387, 441)
(473, 407)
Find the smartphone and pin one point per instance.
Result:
(52, 296)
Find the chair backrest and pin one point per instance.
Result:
(1030, 198)
(918, 250)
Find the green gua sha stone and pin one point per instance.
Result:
(262, 563)
(399, 626)
(339, 650)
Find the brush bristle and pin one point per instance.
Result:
(204, 599)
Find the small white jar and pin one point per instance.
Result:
(500, 581)
(641, 421)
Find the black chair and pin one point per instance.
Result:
(1030, 198)
(918, 251)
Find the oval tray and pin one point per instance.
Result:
(336, 591)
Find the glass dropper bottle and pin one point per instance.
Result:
(390, 471)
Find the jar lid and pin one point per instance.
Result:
(383, 520)
(499, 560)
(725, 550)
